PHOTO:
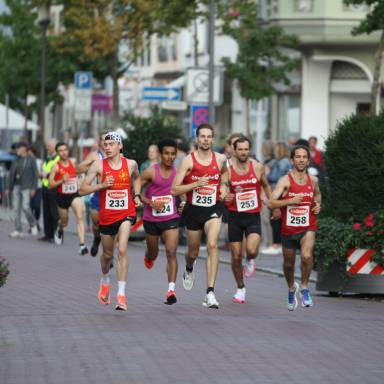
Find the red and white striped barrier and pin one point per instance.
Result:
(359, 262)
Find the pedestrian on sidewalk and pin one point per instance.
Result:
(36, 199)
(49, 196)
(23, 177)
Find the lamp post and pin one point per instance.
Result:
(44, 21)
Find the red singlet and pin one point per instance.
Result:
(299, 218)
(208, 195)
(116, 202)
(70, 185)
(247, 191)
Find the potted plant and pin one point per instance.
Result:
(4, 271)
(350, 241)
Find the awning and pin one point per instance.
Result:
(16, 121)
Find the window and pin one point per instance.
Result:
(304, 6)
(342, 70)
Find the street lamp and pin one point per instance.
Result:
(44, 21)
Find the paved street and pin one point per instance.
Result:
(53, 330)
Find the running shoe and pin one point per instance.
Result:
(239, 296)
(103, 294)
(95, 246)
(210, 301)
(121, 303)
(58, 236)
(170, 298)
(306, 298)
(16, 234)
(249, 268)
(292, 298)
(148, 262)
(188, 280)
(83, 250)
(34, 230)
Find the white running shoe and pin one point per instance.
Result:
(188, 280)
(58, 236)
(271, 250)
(16, 234)
(34, 230)
(249, 268)
(210, 301)
(239, 296)
(292, 298)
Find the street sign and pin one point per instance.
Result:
(197, 86)
(83, 80)
(199, 115)
(161, 93)
(174, 105)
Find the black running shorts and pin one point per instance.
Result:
(293, 241)
(64, 200)
(156, 228)
(112, 229)
(240, 223)
(195, 217)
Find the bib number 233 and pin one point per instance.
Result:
(116, 199)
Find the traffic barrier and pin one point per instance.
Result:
(359, 262)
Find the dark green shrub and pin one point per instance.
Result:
(144, 131)
(4, 271)
(354, 159)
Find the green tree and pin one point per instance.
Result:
(116, 31)
(374, 21)
(144, 131)
(261, 62)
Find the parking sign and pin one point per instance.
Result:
(83, 80)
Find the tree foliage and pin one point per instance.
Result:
(144, 131)
(261, 63)
(355, 167)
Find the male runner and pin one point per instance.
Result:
(95, 199)
(202, 176)
(246, 177)
(63, 177)
(117, 211)
(299, 196)
(161, 217)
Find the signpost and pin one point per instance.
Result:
(161, 94)
(83, 96)
(199, 115)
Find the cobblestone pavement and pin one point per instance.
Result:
(53, 330)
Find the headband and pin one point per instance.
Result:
(114, 136)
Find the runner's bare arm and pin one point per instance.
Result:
(260, 170)
(52, 182)
(86, 187)
(224, 181)
(178, 188)
(147, 177)
(281, 187)
(136, 182)
(317, 195)
(86, 163)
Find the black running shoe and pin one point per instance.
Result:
(95, 246)
(83, 250)
(171, 298)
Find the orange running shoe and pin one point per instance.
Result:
(170, 298)
(103, 294)
(121, 303)
(148, 262)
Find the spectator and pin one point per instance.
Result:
(153, 157)
(279, 167)
(23, 178)
(316, 164)
(50, 212)
(35, 203)
(180, 152)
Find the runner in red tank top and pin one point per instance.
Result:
(299, 196)
(117, 211)
(63, 177)
(246, 178)
(202, 176)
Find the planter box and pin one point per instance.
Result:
(363, 276)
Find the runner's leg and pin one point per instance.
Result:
(152, 246)
(289, 255)
(237, 268)
(78, 209)
(122, 247)
(171, 240)
(212, 230)
(193, 242)
(107, 242)
(63, 218)
(307, 243)
(252, 245)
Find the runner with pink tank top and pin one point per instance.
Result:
(161, 217)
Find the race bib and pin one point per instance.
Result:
(116, 199)
(246, 201)
(167, 208)
(298, 216)
(204, 196)
(70, 186)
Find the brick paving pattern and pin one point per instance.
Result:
(53, 330)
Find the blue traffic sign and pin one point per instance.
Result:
(161, 93)
(83, 80)
(199, 115)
